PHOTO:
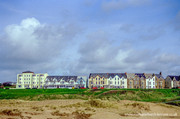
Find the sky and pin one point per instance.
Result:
(78, 37)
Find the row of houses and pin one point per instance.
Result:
(29, 79)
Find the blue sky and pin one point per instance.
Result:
(76, 37)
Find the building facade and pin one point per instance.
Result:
(65, 82)
(172, 81)
(159, 81)
(150, 81)
(108, 80)
(98, 80)
(29, 79)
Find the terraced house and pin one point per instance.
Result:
(108, 80)
(159, 81)
(29, 79)
(172, 81)
(136, 80)
(155, 81)
(65, 82)
(98, 80)
(117, 80)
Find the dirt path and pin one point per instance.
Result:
(81, 109)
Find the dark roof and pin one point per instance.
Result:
(27, 72)
(99, 74)
(173, 76)
(107, 75)
(159, 75)
(59, 78)
(140, 75)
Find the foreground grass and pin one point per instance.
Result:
(147, 95)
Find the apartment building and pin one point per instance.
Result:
(29, 79)
(108, 80)
(65, 82)
(172, 81)
(98, 80)
(159, 81)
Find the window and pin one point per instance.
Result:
(123, 82)
(99, 78)
(96, 78)
(118, 78)
(96, 82)
(103, 78)
(115, 78)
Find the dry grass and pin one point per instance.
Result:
(37, 108)
(78, 114)
(139, 106)
(57, 113)
(96, 103)
(9, 112)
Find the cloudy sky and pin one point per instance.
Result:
(76, 37)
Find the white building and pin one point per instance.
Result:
(65, 82)
(117, 80)
(29, 79)
(150, 81)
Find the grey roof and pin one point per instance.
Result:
(27, 72)
(107, 75)
(59, 78)
(173, 76)
(140, 75)
(159, 76)
(148, 75)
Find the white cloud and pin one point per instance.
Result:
(35, 46)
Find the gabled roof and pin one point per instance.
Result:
(140, 75)
(148, 75)
(59, 78)
(27, 72)
(173, 76)
(107, 75)
(130, 75)
(159, 76)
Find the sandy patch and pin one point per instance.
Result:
(82, 109)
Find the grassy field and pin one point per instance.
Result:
(147, 95)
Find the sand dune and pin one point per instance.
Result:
(83, 109)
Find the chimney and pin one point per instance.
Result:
(160, 73)
(126, 73)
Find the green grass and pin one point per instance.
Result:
(147, 95)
